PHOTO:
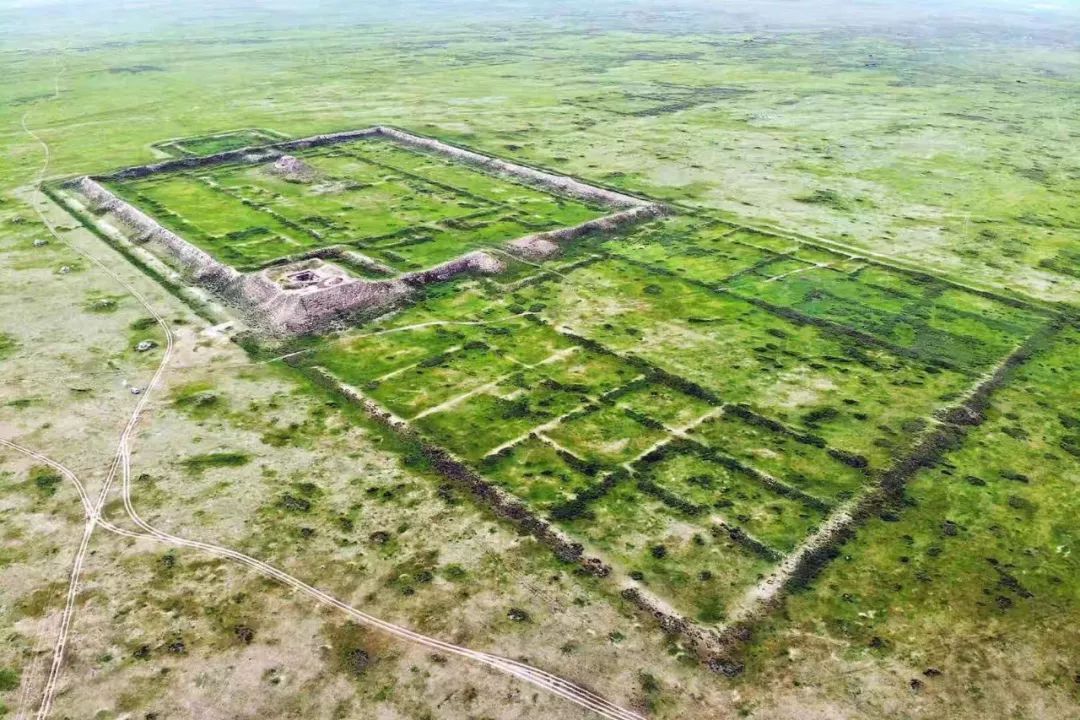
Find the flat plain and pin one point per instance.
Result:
(806, 447)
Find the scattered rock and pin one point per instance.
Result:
(1015, 476)
(931, 672)
(293, 169)
(1009, 582)
(727, 668)
(177, 647)
(357, 660)
(204, 399)
(950, 528)
(916, 685)
(244, 634)
(534, 247)
(1018, 503)
(379, 537)
(964, 416)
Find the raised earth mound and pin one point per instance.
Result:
(293, 169)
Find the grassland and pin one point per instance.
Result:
(691, 402)
(692, 430)
(408, 209)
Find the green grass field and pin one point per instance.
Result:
(754, 400)
(861, 313)
(408, 209)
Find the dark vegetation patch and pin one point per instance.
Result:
(9, 679)
(41, 600)
(201, 463)
(294, 504)
(411, 574)
(102, 304)
(197, 399)
(143, 324)
(1066, 262)
(45, 480)
(351, 649)
(828, 198)
(28, 99)
(135, 69)
(8, 345)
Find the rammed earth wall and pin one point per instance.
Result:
(538, 178)
(546, 244)
(281, 312)
(709, 645)
(498, 500)
(810, 558)
(550, 182)
(264, 302)
(259, 154)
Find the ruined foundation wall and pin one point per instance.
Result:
(817, 551)
(259, 298)
(302, 314)
(705, 642)
(530, 176)
(199, 265)
(474, 262)
(550, 182)
(709, 646)
(502, 503)
(344, 253)
(545, 244)
(262, 153)
(266, 304)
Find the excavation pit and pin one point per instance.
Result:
(304, 277)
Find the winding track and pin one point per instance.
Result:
(122, 465)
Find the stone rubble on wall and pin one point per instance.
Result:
(265, 302)
(293, 169)
(546, 181)
(475, 262)
(281, 311)
(547, 244)
(244, 155)
(198, 265)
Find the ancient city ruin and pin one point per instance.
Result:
(316, 293)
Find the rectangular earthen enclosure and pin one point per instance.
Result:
(315, 293)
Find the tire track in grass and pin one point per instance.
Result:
(121, 466)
